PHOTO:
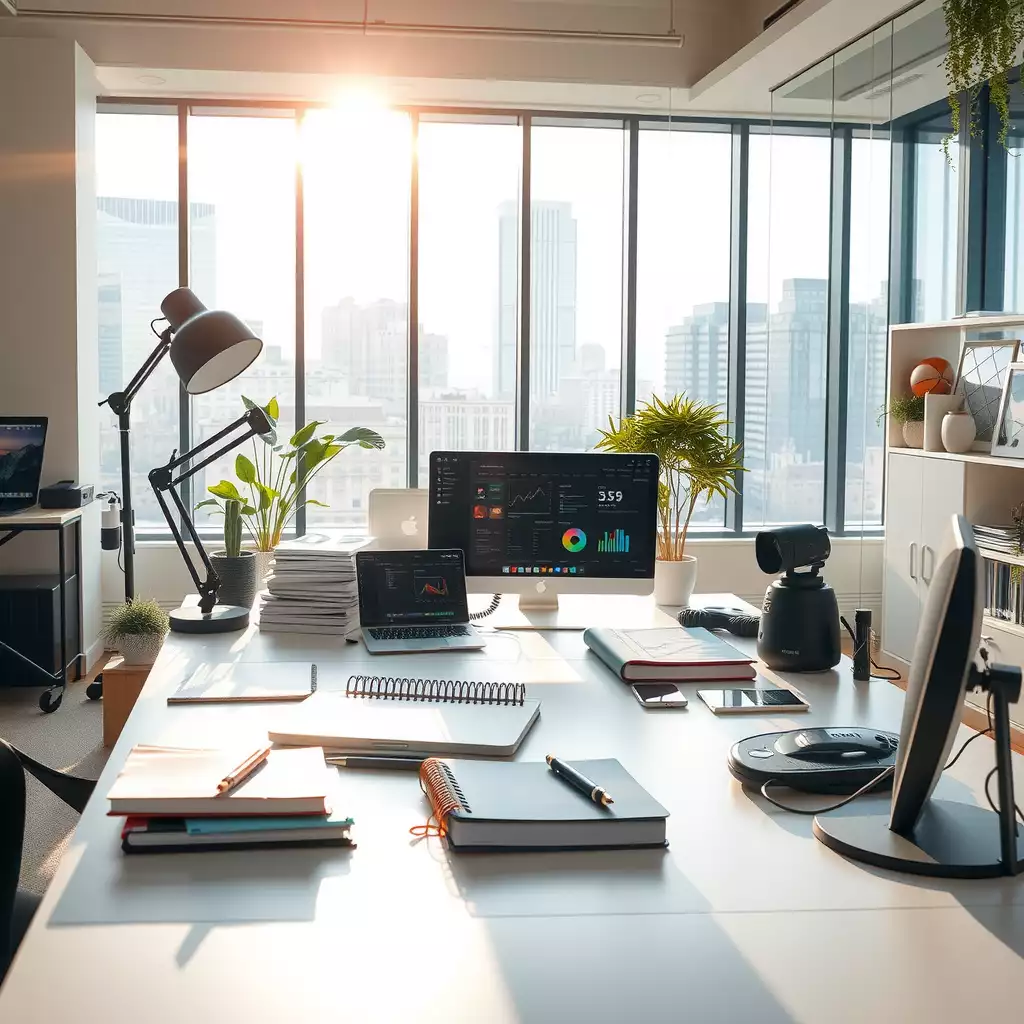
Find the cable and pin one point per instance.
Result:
(156, 320)
(880, 777)
(971, 739)
(879, 670)
(489, 610)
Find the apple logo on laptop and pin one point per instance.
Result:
(410, 527)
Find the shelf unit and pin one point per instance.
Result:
(984, 489)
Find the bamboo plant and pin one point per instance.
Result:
(698, 460)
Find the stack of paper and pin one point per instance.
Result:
(312, 588)
(997, 538)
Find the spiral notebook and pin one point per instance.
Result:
(415, 717)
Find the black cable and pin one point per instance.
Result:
(156, 320)
(489, 610)
(880, 777)
(971, 739)
(879, 670)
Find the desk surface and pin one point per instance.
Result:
(744, 917)
(39, 517)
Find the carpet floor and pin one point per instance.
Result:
(70, 739)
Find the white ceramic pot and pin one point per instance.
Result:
(264, 563)
(913, 433)
(139, 648)
(958, 431)
(935, 408)
(674, 581)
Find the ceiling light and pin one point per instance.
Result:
(649, 97)
(152, 80)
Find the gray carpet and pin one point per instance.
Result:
(71, 739)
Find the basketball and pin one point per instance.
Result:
(932, 376)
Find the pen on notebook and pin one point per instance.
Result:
(244, 770)
(579, 781)
(345, 761)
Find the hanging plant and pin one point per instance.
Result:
(983, 39)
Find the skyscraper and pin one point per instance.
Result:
(552, 296)
(697, 355)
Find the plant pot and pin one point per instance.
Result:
(958, 431)
(264, 564)
(139, 648)
(913, 433)
(935, 408)
(238, 578)
(674, 581)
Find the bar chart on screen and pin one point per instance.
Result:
(616, 542)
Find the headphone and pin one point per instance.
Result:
(721, 618)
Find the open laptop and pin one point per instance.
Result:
(22, 441)
(398, 517)
(414, 601)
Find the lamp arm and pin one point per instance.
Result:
(120, 400)
(207, 588)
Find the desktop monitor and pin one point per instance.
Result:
(539, 524)
(21, 461)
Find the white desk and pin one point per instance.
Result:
(745, 917)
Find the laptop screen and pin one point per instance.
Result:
(411, 588)
(21, 461)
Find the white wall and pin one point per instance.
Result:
(48, 335)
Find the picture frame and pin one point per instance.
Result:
(980, 378)
(1008, 437)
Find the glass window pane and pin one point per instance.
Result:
(137, 263)
(1013, 279)
(468, 277)
(934, 244)
(868, 334)
(575, 285)
(357, 167)
(682, 314)
(242, 242)
(787, 290)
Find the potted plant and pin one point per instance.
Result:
(137, 630)
(271, 482)
(908, 411)
(236, 569)
(698, 460)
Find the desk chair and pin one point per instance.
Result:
(16, 905)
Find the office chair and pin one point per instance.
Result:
(16, 905)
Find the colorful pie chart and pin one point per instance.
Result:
(574, 540)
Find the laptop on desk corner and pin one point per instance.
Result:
(414, 601)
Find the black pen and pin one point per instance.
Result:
(579, 781)
(347, 761)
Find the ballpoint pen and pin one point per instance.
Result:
(358, 761)
(579, 781)
(244, 770)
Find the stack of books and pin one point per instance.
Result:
(187, 798)
(675, 654)
(997, 538)
(312, 588)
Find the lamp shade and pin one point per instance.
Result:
(209, 347)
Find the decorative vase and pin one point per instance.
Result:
(913, 433)
(674, 581)
(238, 579)
(139, 648)
(958, 431)
(264, 563)
(935, 408)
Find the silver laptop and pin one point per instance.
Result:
(414, 601)
(398, 517)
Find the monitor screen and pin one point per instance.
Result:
(557, 516)
(21, 461)
(411, 588)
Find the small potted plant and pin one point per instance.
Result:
(137, 630)
(908, 411)
(236, 569)
(698, 460)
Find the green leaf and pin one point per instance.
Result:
(208, 501)
(244, 469)
(313, 501)
(249, 403)
(273, 410)
(301, 436)
(248, 510)
(267, 496)
(363, 436)
(313, 453)
(225, 489)
(287, 455)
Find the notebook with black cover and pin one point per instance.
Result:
(523, 805)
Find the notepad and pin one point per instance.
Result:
(422, 718)
(521, 805)
(181, 782)
(247, 682)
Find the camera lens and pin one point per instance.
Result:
(790, 547)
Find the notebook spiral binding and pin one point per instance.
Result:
(449, 691)
(443, 791)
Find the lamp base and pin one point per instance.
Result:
(224, 618)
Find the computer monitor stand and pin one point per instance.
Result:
(951, 839)
(550, 610)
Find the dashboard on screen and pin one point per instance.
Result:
(542, 514)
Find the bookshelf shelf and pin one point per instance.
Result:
(1012, 628)
(1000, 556)
(977, 458)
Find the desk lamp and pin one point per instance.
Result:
(208, 348)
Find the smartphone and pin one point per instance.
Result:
(659, 695)
(739, 702)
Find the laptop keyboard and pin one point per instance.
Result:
(418, 632)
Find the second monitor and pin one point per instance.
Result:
(539, 524)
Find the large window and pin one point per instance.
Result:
(381, 254)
